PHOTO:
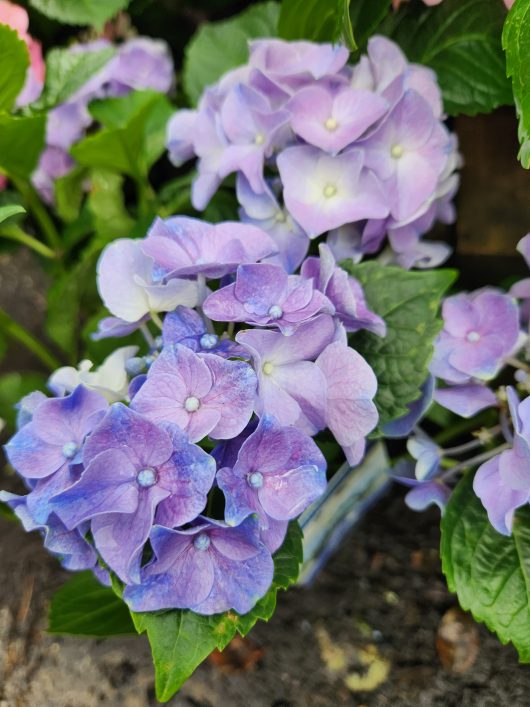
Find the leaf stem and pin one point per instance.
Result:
(19, 333)
(39, 212)
(14, 233)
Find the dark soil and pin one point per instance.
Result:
(368, 623)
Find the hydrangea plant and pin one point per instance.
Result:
(278, 297)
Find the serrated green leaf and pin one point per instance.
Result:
(80, 12)
(218, 47)
(67, 72)
(365, 17)
(409, 302)
(84, 607)
(181, 640)
(14, 62)
(461, 41)
(21, 142)
(133, 147)
(489, 572)
(317, 20)
(516, 43)
(10, 210)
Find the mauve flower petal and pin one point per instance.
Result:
(117, 267)
(499, 500)
(106, 486)
(31, 456)
(465, 400)
(424, 495)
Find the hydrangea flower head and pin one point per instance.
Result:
(279, 471)
(264, 295)
(208, 568)
(135, 469)
(202, 393)
(480, 330)
(503, 483)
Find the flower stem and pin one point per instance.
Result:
(473, 444)
(515, 363)
(19, 333)
(156, 319)
(474, 461)
(147, 335)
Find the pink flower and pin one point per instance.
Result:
(16, 17)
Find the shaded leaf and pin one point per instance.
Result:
(317, 20)
(21, 142)
(80, 12)
(516, 43)
(489, 572)
(14, 62)
(408, 301)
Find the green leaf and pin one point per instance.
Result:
(10, 210)
(14, 62)
(408, 301)
(69, 194)
(461, 41)
(365, 17)
(67, 72)
(181, 640)
(516, 43)
(489, 572)
(218, 47)
(84, 607)
(21, 142)
(14, 386)
(317, 20)
(134, 146)
(111, 218)
(80, 12)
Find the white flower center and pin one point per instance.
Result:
(69, 450)
(146, 478)
(208, 341)
(192, 404)
(255, 479)
(331, 124)
(201, 542)
(473, 337)
(259, 139)
(397, 152)
(275, 312)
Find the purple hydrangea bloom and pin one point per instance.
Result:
(252, 130)
(202, 393)
(264, 295)
(208, 568)
(114, 327)
(423, 493)
(27, 405)
(408, 152)
(503, 483)
(333, 120)
(135, 471)
(279, 471)
(291, 64)
(140, 63)
(183, 246)
(350, 388)
(480, 330)
(264, 211)
(186, 327)
(71, 546)
(323, 192)
(130, 287)
(465, 400)
(56, 433)
(291, 387)
(343, 291)
(427, 455)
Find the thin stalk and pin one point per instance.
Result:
(474, 461)
(40, 213)
(230, 330)
(156, 319)
(19, 333)
(515, 363)
(147, 335)
(473, 444)
(14, 233)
